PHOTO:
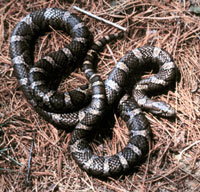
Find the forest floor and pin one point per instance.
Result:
(173, 161)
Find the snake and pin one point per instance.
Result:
(80, 110)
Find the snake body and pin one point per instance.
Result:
(57, 63)
(129, 109)
(81, 109)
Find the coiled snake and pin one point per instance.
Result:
(81, 109)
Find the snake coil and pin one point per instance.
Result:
(81, 109)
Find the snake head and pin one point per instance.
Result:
(162, 109)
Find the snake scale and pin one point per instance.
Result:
(81, 109)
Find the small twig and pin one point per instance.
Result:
(111, 52)
(181, 153)
(99, 18)
(29, 162)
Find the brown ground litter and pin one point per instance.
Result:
(174, 159)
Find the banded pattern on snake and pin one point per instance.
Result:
(129, 110)
(39, 83)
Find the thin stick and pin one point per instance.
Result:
(99, 18)
(181, 153)
(29, 162)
